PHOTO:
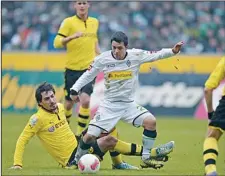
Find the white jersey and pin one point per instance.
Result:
(120, 76)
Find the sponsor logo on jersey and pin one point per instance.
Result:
(123, 75)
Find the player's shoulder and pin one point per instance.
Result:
(135, 52)
(34, 119)
(93, 19)
(104, 56)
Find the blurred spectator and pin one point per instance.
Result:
(150, 25)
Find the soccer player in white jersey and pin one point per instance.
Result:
(121, 67)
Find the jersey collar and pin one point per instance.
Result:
(118, 59)
(81, 19)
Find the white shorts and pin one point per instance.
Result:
(109, 113)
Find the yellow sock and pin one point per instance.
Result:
(68, 114)
(115, 156)
(83, 118)
(128, 148)
(210, 153)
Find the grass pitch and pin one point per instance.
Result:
(187, 133)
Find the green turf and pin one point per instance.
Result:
(186, 158)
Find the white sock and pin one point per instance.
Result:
(148, 144)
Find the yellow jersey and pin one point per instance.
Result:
(80, 51)
(217, 76)
(54, 133)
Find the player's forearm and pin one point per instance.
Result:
(97, 49)
(61, 42)
(208, 99)
(162, 54)
(18, 155)
(22, 141)
(87, 77)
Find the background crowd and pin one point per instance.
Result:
(32, 26)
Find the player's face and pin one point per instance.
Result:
(81, 7)
(119, 50)
(48, 100)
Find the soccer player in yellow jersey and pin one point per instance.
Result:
(79, 35)
(216, 125)
(50, 125)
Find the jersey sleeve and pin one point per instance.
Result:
(89, 75)
(217, 75)
(62, 32)
(151, 56)
(31, 128)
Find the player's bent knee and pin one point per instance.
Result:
(149, 123)
(68, 105)
(85, 100)
(215, 133)
(88, 138)
(110, 142)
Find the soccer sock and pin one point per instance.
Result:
(128, 148)
(210, 154)
(115, 156)
(82, 149)
(97, 151)
(83, 118)
(148, 140)
(68, 114)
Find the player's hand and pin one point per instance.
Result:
(177, 47)
(77, 35)
(16, 167)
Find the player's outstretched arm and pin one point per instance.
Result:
(29, 131)
(86, 77)
(151, 56)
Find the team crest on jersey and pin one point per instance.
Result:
(122, 75)
(128, 63)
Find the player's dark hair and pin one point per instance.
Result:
(44, 87)
(119, 37)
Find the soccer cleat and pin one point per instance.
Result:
(124, 166)
(212, 174)
(151, 163)
(163, 150)
(72, 165)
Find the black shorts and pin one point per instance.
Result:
(70, 77)
(218, 119)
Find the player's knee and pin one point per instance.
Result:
(85, 100)
(215, 133)
(88, 138)
(68, 105)
(149, 123)
(110, 142)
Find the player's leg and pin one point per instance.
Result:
(117, 162)
(104, 120)
(139, 116)
(215, 130)
(69, 79)
(84, 110)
